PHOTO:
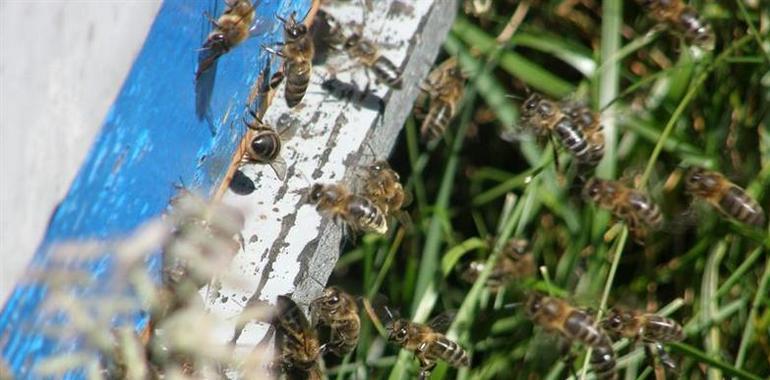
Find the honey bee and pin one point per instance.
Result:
(358, 212)
(296, 341)
(427, 342)
(632, 206)
(382, 185)
(264, 145)
(513, 263)
(339, 311)
(590, 123)
(645, 327)
(230, 29)
(297, 51)
(683, 18)
(445, 87)
(556, 315)
(547, 118)
(728, 198)
(365, 52)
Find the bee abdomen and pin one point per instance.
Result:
(649, 211)
(451, 352)
(297, 81)
(580, 326)
(573, 139)
(603, 361)
(742, 207)
(435, 124)
(386, 71)
(695, 30)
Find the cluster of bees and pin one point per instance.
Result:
(381, 196)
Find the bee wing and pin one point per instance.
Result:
(441, 322)
(259, 28)
(405, 220)
(279, 167)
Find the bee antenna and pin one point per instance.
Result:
(516, 97)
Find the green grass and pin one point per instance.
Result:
(664, 108)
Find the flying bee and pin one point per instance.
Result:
(264, 145)
(445, 87)
(230, 29)
(365, 52)
(358, 212)
(428, 343)
(682, 18)
(514, 262)
(728, 198)
(339, 311)
(296, 341)
(556, 315)
(547, 118)
(297, 51)
(645, 327)
(632, 206)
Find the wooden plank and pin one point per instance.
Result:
(289, 247)
(160, 132)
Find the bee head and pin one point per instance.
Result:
(699, 179)
(534, 304)
(296, 31)
(530, 105)
(352, 40)
(592, 188)
(316, 193)
(398, 331)
(614, 321)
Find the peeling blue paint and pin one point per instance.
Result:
(151, 140)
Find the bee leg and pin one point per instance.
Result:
(211, 19)
(665, 358)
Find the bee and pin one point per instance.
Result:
(728, 198)
(383, 186)
(683, 18)
(427, 342)
(296, 341)
(365, 52)
(590, 123)
(358, 212)
(297, 51)
(264, 145)
(445, 87)
(339, 311)
(556, 315)
(633, 206)
(547, 118)
(230, 29)
(645, 327)
(513, 263)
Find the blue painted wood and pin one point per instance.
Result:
(155, 136)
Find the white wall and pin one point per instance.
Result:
(61, 65)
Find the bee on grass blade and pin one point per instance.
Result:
(230, 29)
(428, 342)
(264, 145)
(645, 327)
(632, 206)
(576, 128)
(297, 50)
(573, 324)
(728, 198)
(338, 310)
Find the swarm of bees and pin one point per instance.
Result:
(334, 326)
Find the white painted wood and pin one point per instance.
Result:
(289, 247)
(61, 66)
